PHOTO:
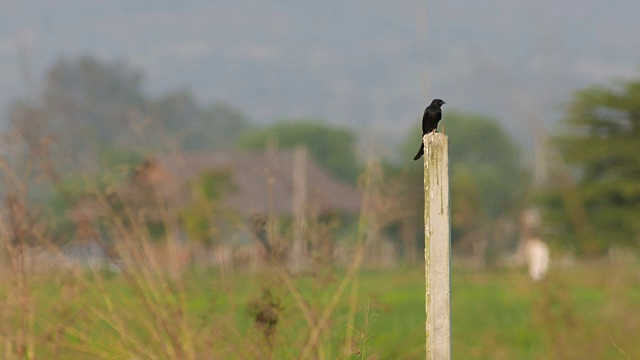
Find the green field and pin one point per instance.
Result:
(583, 312)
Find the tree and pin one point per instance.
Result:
(220, 127)
(89, 105)
(205, 216)
(198, 127)
(87, 98)
(332, 147)
(601, 144)
(481, 148)
(82, 113)
(93, 122)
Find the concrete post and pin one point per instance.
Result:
(437, 253)
(298, 248)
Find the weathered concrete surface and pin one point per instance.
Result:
(437, 253)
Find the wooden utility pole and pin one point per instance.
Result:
(437, 249)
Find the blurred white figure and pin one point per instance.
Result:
(537, 254)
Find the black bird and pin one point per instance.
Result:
(430, 119)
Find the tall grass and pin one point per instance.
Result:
(153, 302)
(150, 302)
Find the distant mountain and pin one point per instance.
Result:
(374, 63)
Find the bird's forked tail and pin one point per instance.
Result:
(420, 152)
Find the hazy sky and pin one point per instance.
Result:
(353, 62)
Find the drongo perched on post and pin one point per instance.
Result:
(432, 114)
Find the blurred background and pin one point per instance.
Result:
(209, 179)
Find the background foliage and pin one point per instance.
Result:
(600, 141)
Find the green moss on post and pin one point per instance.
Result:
(437, 250)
